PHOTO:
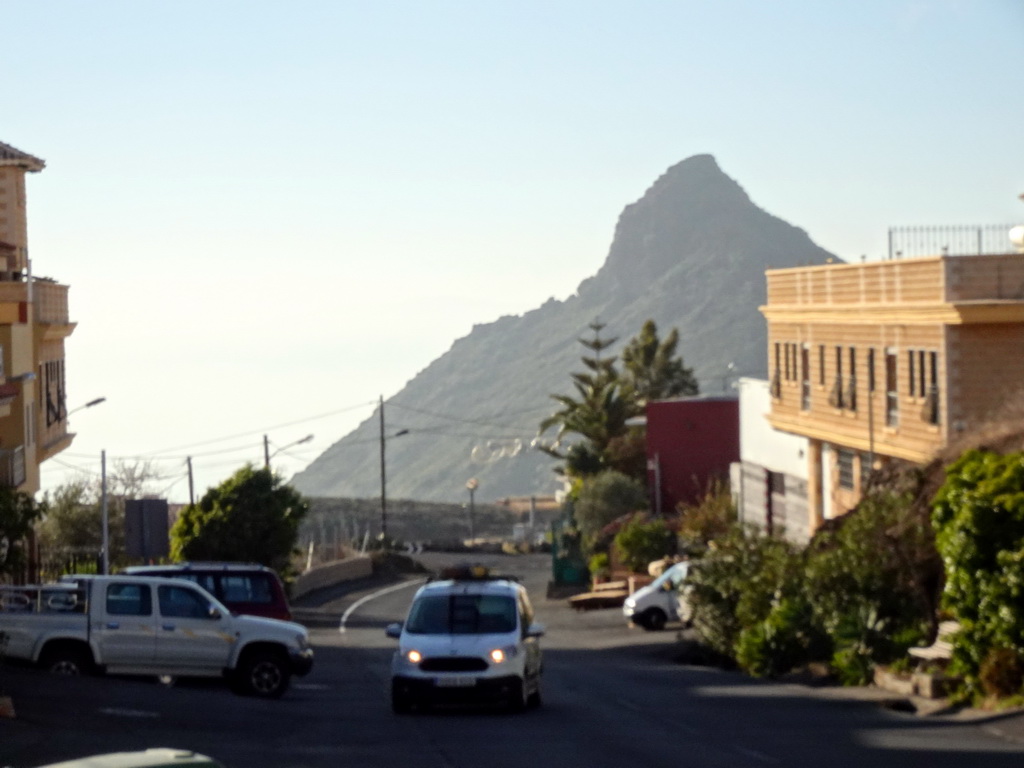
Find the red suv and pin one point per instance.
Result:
(254, 590)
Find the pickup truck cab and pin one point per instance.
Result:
(135, 625)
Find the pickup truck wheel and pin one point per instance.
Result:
(66, 660)
(263, 674)
(655, 620)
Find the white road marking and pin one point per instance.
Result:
(372, 595)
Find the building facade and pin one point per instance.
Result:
(33, 326)
(883, 361)
(691, 442)
(769, 482)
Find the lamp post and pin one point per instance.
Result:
(90, 404)
(267, 455)
(471, 485)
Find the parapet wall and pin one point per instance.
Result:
(355, 567)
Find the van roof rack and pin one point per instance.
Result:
(470, 572)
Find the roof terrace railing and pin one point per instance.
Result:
(968, 240)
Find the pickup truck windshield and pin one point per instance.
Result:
(462, 615)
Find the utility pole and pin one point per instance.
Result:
(266, 452)
(191, 487)
(104, 512)
(383, 482)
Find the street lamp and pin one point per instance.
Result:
(471, 486)
(90, 404)
(267, 455)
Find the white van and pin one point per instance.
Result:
(661, 601)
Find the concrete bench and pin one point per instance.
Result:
(942, 648)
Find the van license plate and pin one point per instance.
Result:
(454, 682)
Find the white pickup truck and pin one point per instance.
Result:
(137, 625)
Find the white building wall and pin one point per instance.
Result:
(761, 444)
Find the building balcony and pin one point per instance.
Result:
(946, 289)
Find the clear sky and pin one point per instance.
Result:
(272, 213)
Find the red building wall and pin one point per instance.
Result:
(690, 442)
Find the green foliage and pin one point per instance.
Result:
(72, 522)
(652, 370)
(604, 399)
(18, 513)
(788, 637)
(603, 499)
(978, 515)
(642, 540)
(1002, 672)
(709, 519)
(599, 564)
(864, 580)
(738, 583)
(252, 517)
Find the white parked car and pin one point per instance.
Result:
(470, 637)
(661, 601)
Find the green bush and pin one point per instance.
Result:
(864, 580)
(642, 540)
(787, 638)
(978, 515)
(599, 564)
(1002, 672)
(737, 584)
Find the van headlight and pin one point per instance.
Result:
(413, 656)
(499, 655)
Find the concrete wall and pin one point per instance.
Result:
(355, 567)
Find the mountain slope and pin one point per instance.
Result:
(690, 254)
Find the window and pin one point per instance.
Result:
(851, 390)
(243, 588)
(844, 460)
(892, 395)
(922, 390)
(871, 370)
(129, 600)
(836, 399)
(911, 374)
(776, 385)
(931, 405)
(805, 378)
(183, 603)
(821, 365)
(454, 614)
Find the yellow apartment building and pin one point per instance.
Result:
(33, 325)
(887, 360)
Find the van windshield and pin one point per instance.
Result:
(462, 615)
(675, 575)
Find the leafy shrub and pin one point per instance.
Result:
(709, 519)
(599, 564)
(642, 540)
(787, 638)
(737, 584)
(603, 499)
(978, 515)
(864, 579)
(1002, 672)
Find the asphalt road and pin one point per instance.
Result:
(613, 697)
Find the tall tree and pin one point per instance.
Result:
(606, 399)
(652, 370)
(18, 512)
(252, 516)
(597, 412)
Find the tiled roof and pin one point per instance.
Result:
(11, 156)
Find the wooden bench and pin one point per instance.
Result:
(942, 648)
